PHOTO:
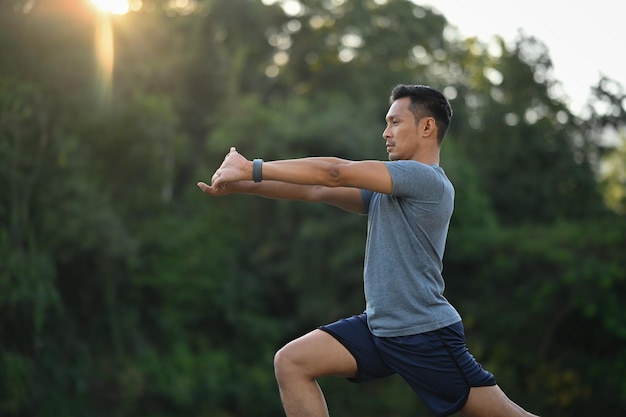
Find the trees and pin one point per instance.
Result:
(123, 291)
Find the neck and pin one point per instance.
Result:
(427, 156)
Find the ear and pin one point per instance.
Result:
(428, 127)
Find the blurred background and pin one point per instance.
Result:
(125, 291)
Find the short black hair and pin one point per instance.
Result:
(426, 101)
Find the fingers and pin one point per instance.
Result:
(216, 185)
(210, 189)
(214, 189)
(230, 152)
(204, 187)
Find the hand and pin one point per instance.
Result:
(233, 169)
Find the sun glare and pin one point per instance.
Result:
(112, 6)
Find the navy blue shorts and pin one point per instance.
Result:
(436, 364)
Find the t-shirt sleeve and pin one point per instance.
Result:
(415, 180)
(366, 196)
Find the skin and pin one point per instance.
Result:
(337, 181)
(332, 180)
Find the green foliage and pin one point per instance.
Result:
(124, 291)
(613, 178)
(524, 143)
(562, 287)
(299, 126)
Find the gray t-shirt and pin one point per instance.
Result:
(406, 238)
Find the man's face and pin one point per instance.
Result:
(401, 134)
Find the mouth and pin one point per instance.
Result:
(389, 146)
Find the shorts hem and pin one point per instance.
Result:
(357, 378)
(457, 408)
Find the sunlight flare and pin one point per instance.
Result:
(112, 6)
(105, 56)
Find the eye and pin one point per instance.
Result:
(393, 122)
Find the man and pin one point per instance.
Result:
(408, 326)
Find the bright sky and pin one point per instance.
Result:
(585, 39)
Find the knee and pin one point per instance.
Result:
(292, 362)
(286, 362)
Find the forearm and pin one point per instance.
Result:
(348, 199)
(305, 179)
(322, 171)
(313, 179)
(277, 190)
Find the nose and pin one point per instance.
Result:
(386, 132)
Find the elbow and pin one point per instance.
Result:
(337, 173)
(334, 175)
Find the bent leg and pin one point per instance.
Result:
(299, 363)
(491, 401)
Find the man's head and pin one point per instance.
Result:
(426, 102)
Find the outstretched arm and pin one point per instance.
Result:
(331, 180)
(348, 199)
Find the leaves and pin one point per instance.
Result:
(126, 291)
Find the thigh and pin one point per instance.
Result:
(316, 354)
(438, 367)
(354, 334)
(491, 401)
